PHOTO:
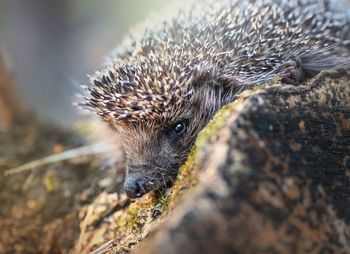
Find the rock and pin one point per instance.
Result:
(274, 177)
(269, 174)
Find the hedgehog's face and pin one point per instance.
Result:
(155, 152)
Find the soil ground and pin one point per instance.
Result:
(38, 205)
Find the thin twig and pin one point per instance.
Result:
(105, 248)
(66, 155)
(28, 181)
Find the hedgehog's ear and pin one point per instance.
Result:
(231, 86)
(230, 82)
(215, 85)
(210, 79)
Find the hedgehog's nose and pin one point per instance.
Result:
(134, 188)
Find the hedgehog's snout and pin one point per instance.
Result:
(141, 179)
(136, 184)
(134, 187)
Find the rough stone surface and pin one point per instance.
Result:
(270, 174)
(274, 179)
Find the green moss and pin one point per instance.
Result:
(187, 177)
(131, 218)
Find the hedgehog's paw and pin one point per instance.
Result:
(292, 73)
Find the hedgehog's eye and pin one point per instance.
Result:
(175, 130)
(178, 128)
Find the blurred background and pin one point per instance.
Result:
(50, 46)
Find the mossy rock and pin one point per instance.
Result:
(269, 174)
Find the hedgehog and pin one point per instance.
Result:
(165, 82)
